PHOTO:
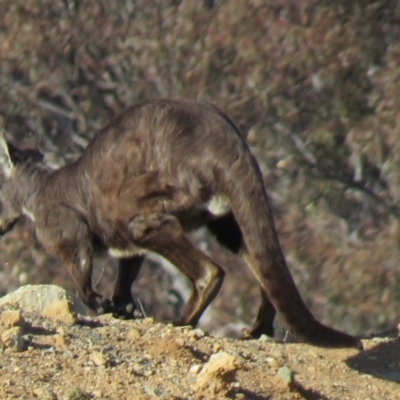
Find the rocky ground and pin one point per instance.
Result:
(48, 351)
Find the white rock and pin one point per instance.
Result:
(195, 369)
(36, 298)
(12, 339)
(218, 374)
(11, 318)
(61, 310)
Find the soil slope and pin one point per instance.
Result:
(59, 355)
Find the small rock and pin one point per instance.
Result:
(98, 358)
(266, 338)
(12, 339)
(106, 317)
(44, 394)
(217, 347)
(36, 298)
(379, 339)
(133, 334)
(271, 361)
(11, 318)
(199, 333)
(97, 393)
(61, 331)
(195, 369)
(60, 341)
(150, 390)
(60, 311)
(285, 375)
(218, 374)
(220, 364)
(196, 334)
(180, 342)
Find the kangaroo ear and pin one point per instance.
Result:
(6, 163)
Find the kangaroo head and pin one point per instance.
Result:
(14, 180)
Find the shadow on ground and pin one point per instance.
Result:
(382, 361)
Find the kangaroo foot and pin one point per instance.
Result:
(125, 309)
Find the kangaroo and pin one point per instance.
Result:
(159, 169)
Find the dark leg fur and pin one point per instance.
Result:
(229, 235)
(122, 301)
(264, 321)
(227, 232)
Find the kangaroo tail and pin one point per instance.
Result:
(242, 183)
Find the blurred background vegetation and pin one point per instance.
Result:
(313, 85)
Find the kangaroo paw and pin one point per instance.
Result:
(101, 305)
(257, 330)
(125, 309)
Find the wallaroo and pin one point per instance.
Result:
(157, 170)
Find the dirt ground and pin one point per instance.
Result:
(106, 358)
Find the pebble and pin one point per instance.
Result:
(12, 339)
(217, 347)
(98, 358)
(60, 341)
(133, 334)
(271, 361)
(196, 334)
(148, 321)
(44, 394)
(11, 318)
(265, 338)
(60, 311)
(217, 374)
(180, 342)
(285, 375)
(195, 369)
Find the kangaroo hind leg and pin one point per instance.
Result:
(264, 323)
(229, 235)
(164, 235)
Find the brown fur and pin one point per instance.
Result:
(157, 170)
